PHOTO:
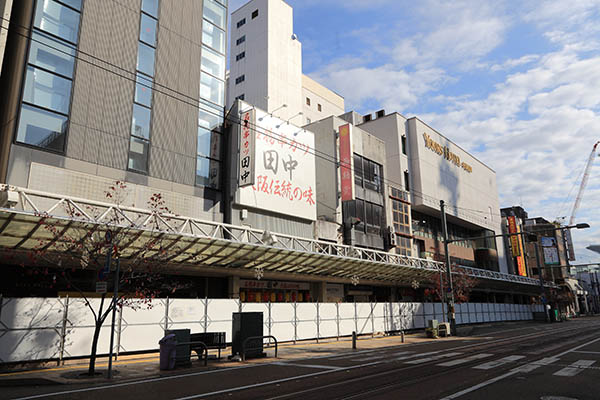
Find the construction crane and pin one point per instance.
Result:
(584, 180)
(586, 175)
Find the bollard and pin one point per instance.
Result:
(402, 335)
(354, 340)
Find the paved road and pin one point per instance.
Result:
(532, 362)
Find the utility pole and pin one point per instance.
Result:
(450, 289)
(542, 289)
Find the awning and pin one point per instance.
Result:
(191, 246)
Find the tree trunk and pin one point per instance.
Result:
(92, 367)
(99, 321)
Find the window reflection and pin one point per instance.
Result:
(42, 128)
(213, 37)
(57, 19)
(47, 90)
(212, 89)
(213, 63)
(51, 54)
(140, 125)
(148, 30)
(215, 13)
(145, 62)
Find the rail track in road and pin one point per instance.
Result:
(371, 383)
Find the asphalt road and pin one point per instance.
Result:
(545, 361)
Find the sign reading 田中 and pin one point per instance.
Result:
(284, 168)
(247, 145)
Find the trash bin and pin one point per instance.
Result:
(168, 346)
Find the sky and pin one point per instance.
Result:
(515, 83)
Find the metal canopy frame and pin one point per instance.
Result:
(197, 243)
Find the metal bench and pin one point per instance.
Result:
(211, 340)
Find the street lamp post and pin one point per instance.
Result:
(450, 295)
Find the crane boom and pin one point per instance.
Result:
(584, 180)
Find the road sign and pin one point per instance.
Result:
(101, 287)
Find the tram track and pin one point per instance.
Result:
(511, 344)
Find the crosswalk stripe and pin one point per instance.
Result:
(575, 368)
(464, 360)
(497, 363)
(414, 356)
(432, 358)
(536, 364)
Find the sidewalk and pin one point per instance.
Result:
(139, 366)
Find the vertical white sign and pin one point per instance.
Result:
(247, 148)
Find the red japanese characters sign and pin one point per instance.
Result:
(346, 163)
(514, 239)
(284, 168)
(247, 148)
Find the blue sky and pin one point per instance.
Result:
(515, 83)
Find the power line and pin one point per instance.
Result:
(195, 102)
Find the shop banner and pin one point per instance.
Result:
(514, 239)
(346, 162)
(247, 148)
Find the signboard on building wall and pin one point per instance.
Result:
(284, 169)
(514, 239)
(247, 148)
(346, 163)
(550, 251)
(570, 248)
(521, 257)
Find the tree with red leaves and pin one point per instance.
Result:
(139, 246)
(462, 284)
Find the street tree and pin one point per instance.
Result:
(462, 285)
(138, 244)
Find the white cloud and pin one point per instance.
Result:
(514, 62)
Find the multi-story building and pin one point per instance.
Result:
(109, 90)
(266, 65)
(96, 91)
(513, 222)
(431, 168)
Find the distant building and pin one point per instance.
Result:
(266, 66)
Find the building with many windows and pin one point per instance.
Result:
(266, 65)
(105, 91)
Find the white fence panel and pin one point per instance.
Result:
(328, 320)
(219, 317)
(31, 328)
(347, 325)
(282, 315)
(142, 329)
(364, 320)
(379, 317)
(306, 314)
(82, 323)
(187, 314)
(418, 315)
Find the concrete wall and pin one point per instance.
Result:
(272, 66)
(472, 197)
(331, 103)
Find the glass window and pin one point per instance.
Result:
(213, 63)
(57, 19)
(148, 30)
(150, 7)
(203, 148)
(207, 172)
(73, 3)
(209, 121)
(213, 37)
(358, 170)
(47, 90)
(42, 128)
(143, 90)
(140, 125)
(240, 40)
(138, 154)
(215, 13)
(241, 22)
(212, 89)
(254, 14)
(51, 54)
(145, 62)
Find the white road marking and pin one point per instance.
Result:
(535, 365)
(464, 360)
(432, 358)
(511, 373)
(306, 365)
(575, 368)
(478, 386)
(497, 363)
(413, 356)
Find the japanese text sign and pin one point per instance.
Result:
(247, 148)
(346, 163)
